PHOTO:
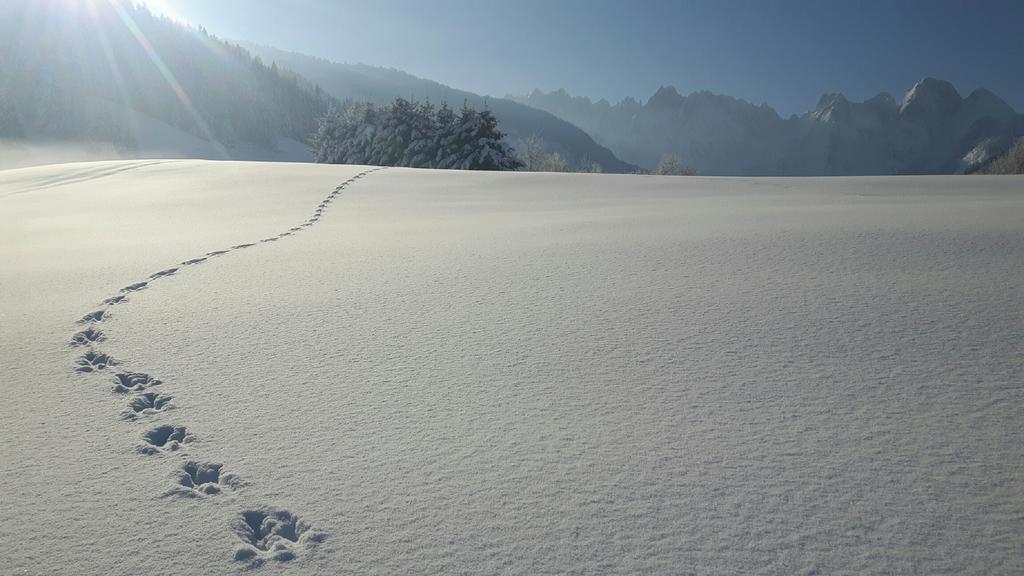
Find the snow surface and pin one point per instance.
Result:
(453, 372)
(151, 139)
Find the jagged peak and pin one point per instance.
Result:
(984, 102)
(831, 99)
(666, 97)
(935, 85)
(830, 107)
(931, 96)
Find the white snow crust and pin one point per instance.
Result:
(479, 373)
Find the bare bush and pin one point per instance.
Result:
(671, 165)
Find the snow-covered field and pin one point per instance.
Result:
(482, 373)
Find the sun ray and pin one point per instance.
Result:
(115, 69)
(168, 76)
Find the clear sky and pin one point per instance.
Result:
(783, 52)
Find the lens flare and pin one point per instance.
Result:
(168, 76)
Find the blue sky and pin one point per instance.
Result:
(783, 52)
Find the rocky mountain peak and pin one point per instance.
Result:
(930, 98)
(982, 103)
(831, 107)
(666, 97)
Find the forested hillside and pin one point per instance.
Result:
(382, 85)
(129, 71)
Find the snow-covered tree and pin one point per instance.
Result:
(329, 140)
(445, 150)
(480, 144)
(536, 159)
(408, 133)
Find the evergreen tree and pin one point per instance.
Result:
(444, 138)
(419, 151)
(481, 144)
(330, 138)
(412, 134)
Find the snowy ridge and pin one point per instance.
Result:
(265, 532)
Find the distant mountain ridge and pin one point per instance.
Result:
(932, 130)
(361, 82)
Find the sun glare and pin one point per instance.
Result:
(164, 8)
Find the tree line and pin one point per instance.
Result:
(413, 134)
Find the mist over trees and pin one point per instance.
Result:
(413, 134)
(69, 75)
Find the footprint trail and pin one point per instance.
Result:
(266, 533)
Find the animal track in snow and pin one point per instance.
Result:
(164, 438)
(97, 316)
(200, 478)
(270, 534)
(93, 360)
(125, 382)
(267, 534)
(87, 337)
(145, 404)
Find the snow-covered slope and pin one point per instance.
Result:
(453, 372)
(152, 139)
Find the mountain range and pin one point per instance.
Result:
(932, 130)
(115, 74)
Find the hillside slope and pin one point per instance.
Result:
(113, 72)
(379, 85)
(1012, 162)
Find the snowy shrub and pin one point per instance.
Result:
(671, 165)
(537, 159)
